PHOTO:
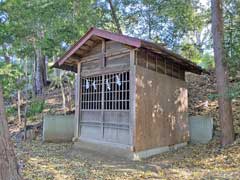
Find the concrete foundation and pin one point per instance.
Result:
(151, 152)
(120, 151)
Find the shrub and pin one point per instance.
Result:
(11, 111)
(35, 107)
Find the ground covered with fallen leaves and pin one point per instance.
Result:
(60, 161)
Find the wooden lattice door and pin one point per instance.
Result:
(105, 108)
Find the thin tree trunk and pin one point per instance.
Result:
(25, 123)
(149, 25)
(63, 98)
(38, 77)
(46, 70)
(225, 108)
(69, 97)
(8, 161)
(33, 77)
(25, 116)
(114, 17)
(19, 107)
(43, 70)
(26, 67)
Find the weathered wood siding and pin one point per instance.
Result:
(160, 64)
(116, 56)
(161, 110)
(105, 112)
(154, 116)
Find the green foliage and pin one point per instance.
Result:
(11, 111)
(234, 91)
(35, 107)
(232, 41)
(10, 78)
(162, 21)
(46, 24)
(204, 60)
(207, 61)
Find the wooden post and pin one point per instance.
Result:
(102, 107)
(77, 104)
(132, 120)
(103, 79)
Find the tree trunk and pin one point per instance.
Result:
(46, 70)
(69, 97)
(43, 69)
(25, 116)
(63, 98)
(114, 17)
(225, 108)
(25, 65)
(19, 107)
(8, 161)
(25, 123)
(33, 77)
(149, 24)
(38, 75)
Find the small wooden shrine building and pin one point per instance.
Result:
(131, 93)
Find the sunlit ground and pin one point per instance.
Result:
(58, 161)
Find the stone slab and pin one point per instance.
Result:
(201, 129)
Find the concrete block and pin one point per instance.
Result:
(201, 129)
(58, 128)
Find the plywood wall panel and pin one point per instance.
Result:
(161, 110)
